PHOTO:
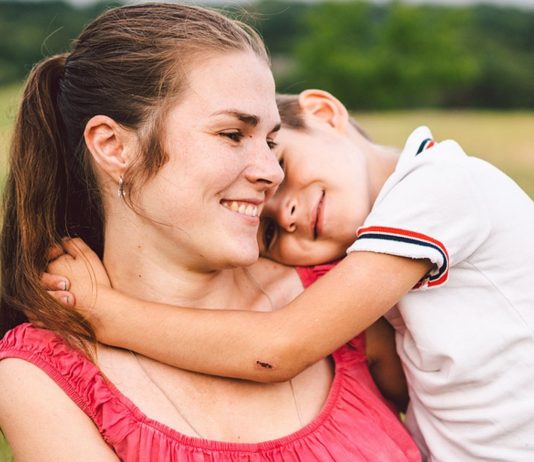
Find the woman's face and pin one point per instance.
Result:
(203, 206)
(324, 198)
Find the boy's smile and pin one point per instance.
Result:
(314, 215)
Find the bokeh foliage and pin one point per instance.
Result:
(404, 56)
(371, 56)
(30, 31)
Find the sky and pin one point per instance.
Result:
(518, 3)
(521, 3)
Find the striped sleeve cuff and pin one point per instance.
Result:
(404, 243)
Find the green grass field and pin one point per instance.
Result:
(506, 139)
(5, 453)
(9, 98)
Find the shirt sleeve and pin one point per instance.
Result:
(429, 210)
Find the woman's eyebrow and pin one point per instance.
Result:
(248, 119)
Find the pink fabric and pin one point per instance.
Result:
(355, 424)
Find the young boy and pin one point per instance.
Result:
(443, 235)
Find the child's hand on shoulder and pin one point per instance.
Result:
(74, 276)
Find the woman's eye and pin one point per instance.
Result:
(269, 233)
(234, 136)
(281, 162)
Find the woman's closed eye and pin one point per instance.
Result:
(234, 135)
(237, 136)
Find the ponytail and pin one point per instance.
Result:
(128, 64)
(36, 205)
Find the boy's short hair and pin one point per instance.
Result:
(291, 114)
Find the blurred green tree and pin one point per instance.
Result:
(375, 57)
(33, 30)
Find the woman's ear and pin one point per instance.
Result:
(109, 144)
(326, 107)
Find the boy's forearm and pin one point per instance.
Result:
(216, 342)
(265, 347)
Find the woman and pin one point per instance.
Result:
(155, 132)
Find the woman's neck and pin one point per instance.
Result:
(141, 267)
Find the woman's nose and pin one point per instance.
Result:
(265, 170)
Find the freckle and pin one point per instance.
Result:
(138, 275)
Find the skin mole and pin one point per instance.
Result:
(264, 365)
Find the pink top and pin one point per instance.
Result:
(355, 423)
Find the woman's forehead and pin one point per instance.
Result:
(238, 81)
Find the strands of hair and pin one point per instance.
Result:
(128, 64)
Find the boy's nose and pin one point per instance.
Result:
(288, 215)
(283, 209)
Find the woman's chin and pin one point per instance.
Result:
(249, 260)
(246, 256)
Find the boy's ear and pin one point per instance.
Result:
(109, 144)
(326, 107)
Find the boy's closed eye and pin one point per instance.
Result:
(267, 234)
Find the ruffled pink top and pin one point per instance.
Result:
(355, 423)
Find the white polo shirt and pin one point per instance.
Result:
(465, 334)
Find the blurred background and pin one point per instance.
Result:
(464, 68)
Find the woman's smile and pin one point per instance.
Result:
(243, 207)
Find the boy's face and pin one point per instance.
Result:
(324, 198)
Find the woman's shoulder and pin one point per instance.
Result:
(40, 346)
(309, 274)
(26, 340)
(281, 282)
(45, 351)
(38, 417)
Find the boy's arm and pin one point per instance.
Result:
(265, 347)
(41, 423)
(385, 365)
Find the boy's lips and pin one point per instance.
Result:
(317, 217)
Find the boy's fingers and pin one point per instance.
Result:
(55, 251)
(54, 282)
(76, 247)
(63, 297)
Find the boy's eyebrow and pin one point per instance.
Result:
(248, 119)
(277, 127)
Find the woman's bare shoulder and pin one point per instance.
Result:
(37, 417)
(281, 282)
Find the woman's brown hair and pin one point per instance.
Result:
(127, 64)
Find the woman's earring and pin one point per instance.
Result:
(120, 192)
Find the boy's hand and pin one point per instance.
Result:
(74, 277)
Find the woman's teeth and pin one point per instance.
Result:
(243, 208)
